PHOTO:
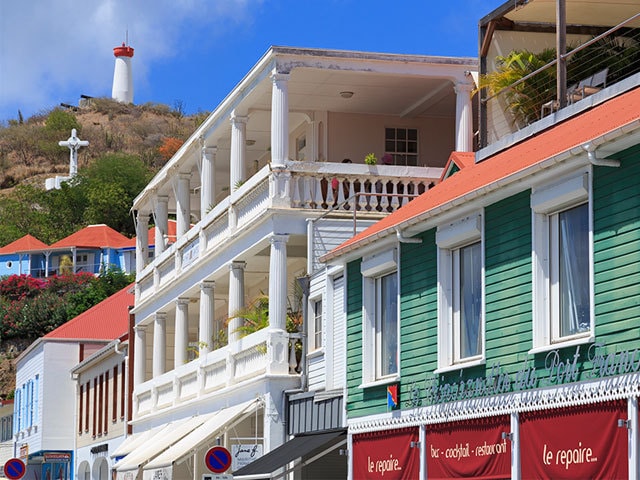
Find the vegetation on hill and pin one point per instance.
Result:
(127, 145)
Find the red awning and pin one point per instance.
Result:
(386, 455)
(575, 443)
(471, 449)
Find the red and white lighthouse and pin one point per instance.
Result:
(122, 90)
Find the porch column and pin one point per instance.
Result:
(140, 355)
(159, 343)
(183, 220)
(142, 240)
(464, 116)
(278, 282)
(207, 312)
(236, 298)
(208, 180)
(238, 150)
(162, 224)
(182, 332)
(279, 119)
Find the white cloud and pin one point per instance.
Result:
(55, 50)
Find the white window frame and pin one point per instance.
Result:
(450, 239)
(373, 268)
(547, 202)
(313, 334)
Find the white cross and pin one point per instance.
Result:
(74, 143)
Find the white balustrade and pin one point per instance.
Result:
(301, 185)
(247, 359)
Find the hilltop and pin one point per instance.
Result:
(29, 150)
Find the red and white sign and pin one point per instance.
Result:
(471, 449)
(386, 455)
(578, 442)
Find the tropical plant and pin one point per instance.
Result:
(524, 98)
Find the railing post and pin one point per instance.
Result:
(279, 187)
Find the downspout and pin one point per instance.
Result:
(599, 162)
(403, 239)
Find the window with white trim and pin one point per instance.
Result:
(562, 263)
(317, 323)
(460, 293)
(380, 346)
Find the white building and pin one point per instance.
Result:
(45, 415)
(259, 192)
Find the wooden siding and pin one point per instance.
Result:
(418, 311)
(508, 280)
(355, 399)
(616, 248)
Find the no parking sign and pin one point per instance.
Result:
(218, 459)
(14, 469)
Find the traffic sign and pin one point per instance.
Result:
(14, 469)
(218, 459)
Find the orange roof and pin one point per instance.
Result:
(94, 236)
(107, 320)
(602, 119)
(28, 243)
(459, 159)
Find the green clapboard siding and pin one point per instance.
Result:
(616, 249)
(508, 278)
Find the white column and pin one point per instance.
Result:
(279, 119)
(236, 298)
(208, 180)
(182, 332)
(140, 355)
(207, 312)
(162, 224)
(464, 117)
(183, 220)
(142, 240)
(238, 150)
(278, 282)
(159, 343)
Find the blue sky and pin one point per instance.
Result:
(193, 52)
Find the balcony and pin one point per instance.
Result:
(305, 189)
(533, 78)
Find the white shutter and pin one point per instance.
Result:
(339, 333)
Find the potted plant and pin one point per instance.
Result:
(370, 159)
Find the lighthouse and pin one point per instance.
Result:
(122, 90)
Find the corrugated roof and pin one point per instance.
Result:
(579, 130)
(94, 236)
(25, 244)
(107, 320)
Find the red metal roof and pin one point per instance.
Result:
(107, 320)
(574, 132)
(94, 236)
(28, 243)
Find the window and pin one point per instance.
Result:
(562, 297)
(386, 325)
(460, 293)
(317, 324)
(380, 346)
(402, 145)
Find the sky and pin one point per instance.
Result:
(189, 54)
